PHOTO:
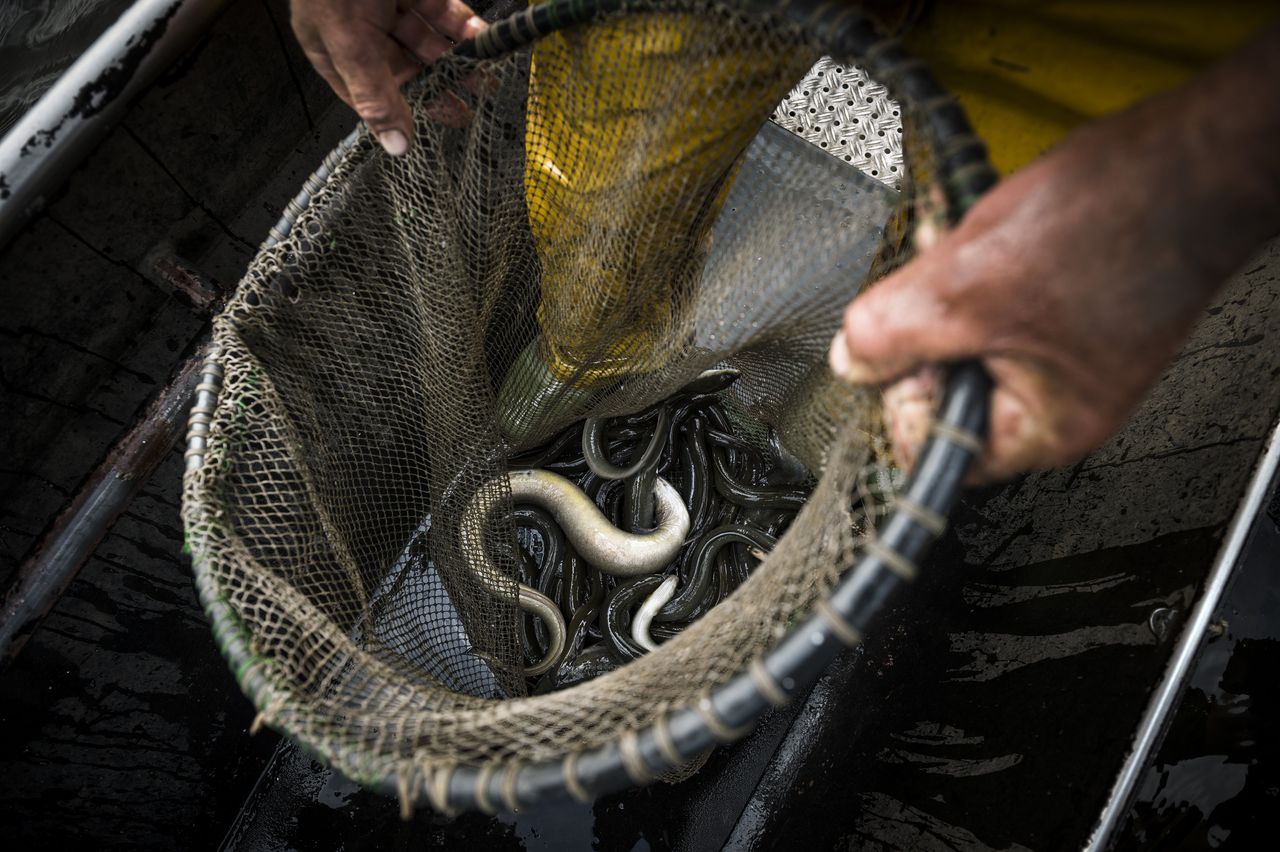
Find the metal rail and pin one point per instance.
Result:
(1163, 701)
(65, 125)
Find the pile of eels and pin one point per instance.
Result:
(631, 528)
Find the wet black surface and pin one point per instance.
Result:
(1000, 724)
(1215, 782)
(120, 726)
(991, 709)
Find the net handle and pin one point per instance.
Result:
(891, 559)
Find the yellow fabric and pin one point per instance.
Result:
(619, 185)
(622, 188)
(1027, 72)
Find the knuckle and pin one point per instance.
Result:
(852, 314)
(372, 110)
(361, 47)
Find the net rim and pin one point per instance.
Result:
(729, 712)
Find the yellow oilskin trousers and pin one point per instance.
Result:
(634, 131)
(1029, 71)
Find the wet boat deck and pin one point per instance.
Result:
(992, 709)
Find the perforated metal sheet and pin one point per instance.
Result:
(789, 194)
(842, 111)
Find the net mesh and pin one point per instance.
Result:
(563, 239)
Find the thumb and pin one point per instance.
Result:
(374, 93)
(898, 325)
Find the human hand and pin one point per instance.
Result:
(367, 49)
(1074, 282)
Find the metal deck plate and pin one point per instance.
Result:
(842, 111)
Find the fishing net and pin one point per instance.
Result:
(595, 212)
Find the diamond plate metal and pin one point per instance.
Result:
(841, 110)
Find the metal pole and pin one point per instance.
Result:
(1163, 701)
(66, 123)
(77, 531)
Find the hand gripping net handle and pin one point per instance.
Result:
(890, 559)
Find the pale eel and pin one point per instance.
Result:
(644, 616)
(596, 540)
(536, 603)
(530, 600)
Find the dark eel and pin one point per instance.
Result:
(701, 567)
(595, 450)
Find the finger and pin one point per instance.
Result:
(1020, 441)
(931, 218)
(1014, 446)
(902, 322)
(420, 39)
(1038, 421)
(410, 69)
(909, 406)
(481, 82)
(452, 18)
(324, 67)
(368, 64)
(404, 67)
(1034, 424)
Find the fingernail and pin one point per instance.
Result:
(855, 372)
(838, 355)
(860, 373)
(393, 142)
(476, 23)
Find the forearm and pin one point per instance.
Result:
(1211, 151)
(1162, 202)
